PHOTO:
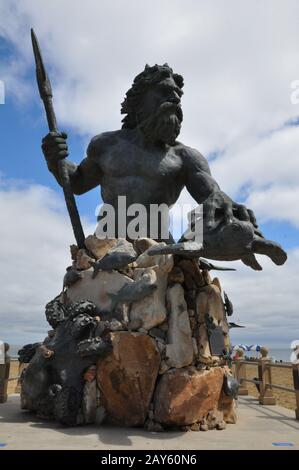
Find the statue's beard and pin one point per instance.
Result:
(164, 125)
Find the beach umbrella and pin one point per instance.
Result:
(242, 346)
(254, 347)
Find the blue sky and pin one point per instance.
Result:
(22, 127)
(237, 112)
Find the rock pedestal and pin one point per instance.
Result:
(126, 378)
(139, 338)
(186, 396)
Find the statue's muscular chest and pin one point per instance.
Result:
(126, 160)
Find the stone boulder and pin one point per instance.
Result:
(228, 407)
(83, 260)
(179, 348)
(127, 377)
(151, 311)
(186, 396)
(99, 247)
(99, 289)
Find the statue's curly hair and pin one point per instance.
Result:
(149, 76)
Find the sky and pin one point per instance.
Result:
(239, 60)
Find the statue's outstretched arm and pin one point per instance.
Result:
(230, 230)
(218, 207)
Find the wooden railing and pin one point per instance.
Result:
(5, 378)
(264, 382)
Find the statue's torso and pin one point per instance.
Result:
(145, 175)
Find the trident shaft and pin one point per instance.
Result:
(45, 91)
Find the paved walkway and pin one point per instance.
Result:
(258, 427)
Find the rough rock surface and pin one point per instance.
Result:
(228, 407)
(89, 402)
(179, 349)
(127, 377)
(192, 274)
(176, 276)
(150, 311)
(99, 247)
(97, 289)
(164, 262)
(142, 244)
(186, 396)
(83, 261)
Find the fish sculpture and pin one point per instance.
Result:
(204, 264)
(117, 258)
(234, 325)
(187, 249)
(132, 292)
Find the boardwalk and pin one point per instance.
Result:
(258, 427)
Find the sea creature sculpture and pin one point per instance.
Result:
(234, 325)
(71, 277)
(228, 305)
(204, 264)
(186, 249)
(52, 382)
(133, 292)
(117, 258)
(27, 352)
(230, 386)
(238, 239)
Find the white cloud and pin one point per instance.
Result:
(265, 171)
(35, 235)
(265, 302)
(276, 203)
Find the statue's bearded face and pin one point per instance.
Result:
(160, 115)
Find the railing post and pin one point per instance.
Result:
(266, 396)
(4, 375)
(22, 366)
(241, 374)
(296, 387)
